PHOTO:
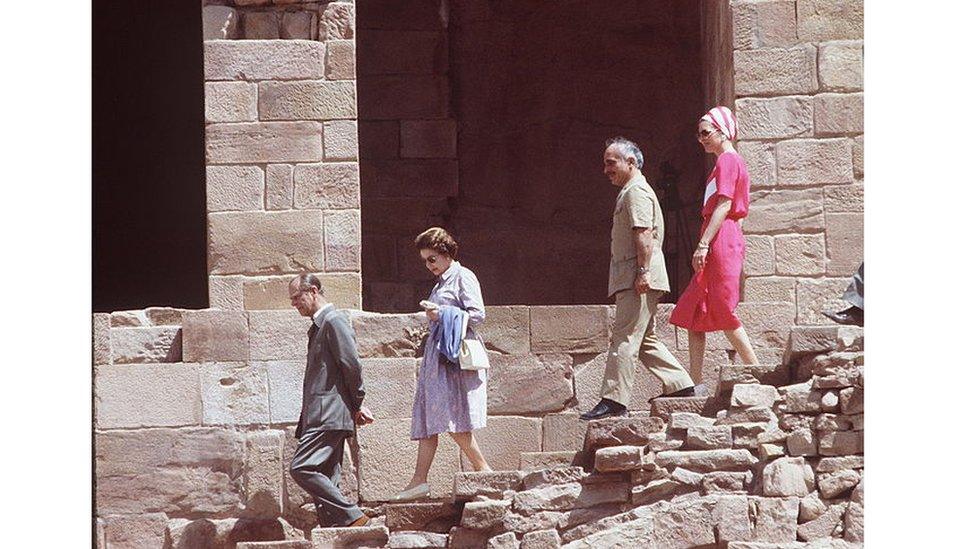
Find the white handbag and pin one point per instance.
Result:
(472, 355)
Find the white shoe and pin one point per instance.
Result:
(419, 491)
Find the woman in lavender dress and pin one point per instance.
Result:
(448, 399)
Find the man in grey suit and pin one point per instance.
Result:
(332, 400)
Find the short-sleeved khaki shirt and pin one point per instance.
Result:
(637, 206)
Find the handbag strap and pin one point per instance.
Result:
(464, 324)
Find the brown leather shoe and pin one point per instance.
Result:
(361, 521)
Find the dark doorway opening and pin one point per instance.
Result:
(148, 178)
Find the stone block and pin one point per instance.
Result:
(760, 159)
(551, 476)
(343, 239)
(503, 541)
(135, 531)
(852, 400)
(801, 442)
(263, 479)
(841, 66)
(146, 345)
(340, 140)
(485, 515)
(147, 395)
(569, 328)
(284, 544)
(265, 243)
(845, 243)
(261, 25)
(767, 323)
(842, 443)
(381, 478)
(535, 461)
(787, 476)
(801, 255)
(219, 23)
(332, 185)
(263, 60)
(505, 438)
(785, 211)
(760, 256)
(824, 525)
(382, 335)
(854, 523)
(767, 374)
(192, 471)
(338, 21)
(705, 461)
(296, 25)
(775, 71)
(341, 61)
(617, 431)
(747, 414)
(428, 139)
(688, 524)
(769, 451)
(732, 520)
(101, 338)
(618, 458)
(663, 407)
(234, 188)
(365, 536)
(491, 484)
(405, 97)
(226, 292)
(709, 437)
(278, 335)
(506, 329)
(234, 394)
(560, 497)
(215, 336)
(261, 142)
(838, 114)
(415, 540)
(812, 339)
(230, 102)
(285, 389)
(390, 384)
(431, 517)
(541, 539)
(563, 432)
(811, 507)
(754, 395)
(838, 484)
(821, 20)
(814, 162)
(775, 118)
(264, 293)
(846, 198)
(307, 100)
(816, 295)
(280, 188)
(763, 23)
(775, 519)
(529, 383)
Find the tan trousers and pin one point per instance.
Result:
(633, 338)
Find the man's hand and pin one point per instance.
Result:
(642, 284)
(364, 416)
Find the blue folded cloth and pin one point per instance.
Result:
(449, 336)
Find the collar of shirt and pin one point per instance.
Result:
(319, 317)
(453, 270)
(638, 179)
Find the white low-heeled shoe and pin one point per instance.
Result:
(417, 492)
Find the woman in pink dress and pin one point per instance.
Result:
(708, 303)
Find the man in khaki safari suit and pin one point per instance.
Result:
(638, 279)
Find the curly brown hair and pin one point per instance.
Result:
(439, 240)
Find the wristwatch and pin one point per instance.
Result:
(641, 270)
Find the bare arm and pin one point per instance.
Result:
(718, 216)
(644, 245)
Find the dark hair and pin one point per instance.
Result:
(439, 240)
(629, 148)
(308, 281)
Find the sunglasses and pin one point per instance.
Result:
(704, 134)
(431, 259)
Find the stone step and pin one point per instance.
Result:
(289, 544)
(621, 431)
(730, 375)
(494, 484)
(663, 407)
(416, 540)
(429, 517)
(534, 461)
(348, 538)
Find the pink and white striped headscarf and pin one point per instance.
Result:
(723, 119)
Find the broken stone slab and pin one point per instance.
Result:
(658, 442)
(801, 442)
(142, 345)
(811, 339)
(686, 477)
(787, 476)
(366, 536)
(685, 420)
(582, 530)
(543, 520)
(618, 458)
(503, 541)
(769, 451)
(416, 540)
(621, 431)
(652, 491)
(854, 522)
(486, 483)
(687, 524)
(548, 477)
(663, 407)
(834, 464)
(811, 507)
(429, 517)
(709, 437)
(837, 484)
(792, 422)
(484, 515)
(707, 460)
(824, 525)
(832, 422)
(746, 435)
(748, 395)
(466, 537)
(726, 482)
(541, 539)
(841, 443)
(574, 495)
(800, 399)
(852, 400)
(751, 414)
(766, 374)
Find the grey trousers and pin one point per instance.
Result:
(316, 467)
(855, 292)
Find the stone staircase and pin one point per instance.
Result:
(773, 460)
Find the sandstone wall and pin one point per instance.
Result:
(282, 151)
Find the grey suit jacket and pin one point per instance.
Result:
(333, 388)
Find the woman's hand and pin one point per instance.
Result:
(698, 260)
(433, 315)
